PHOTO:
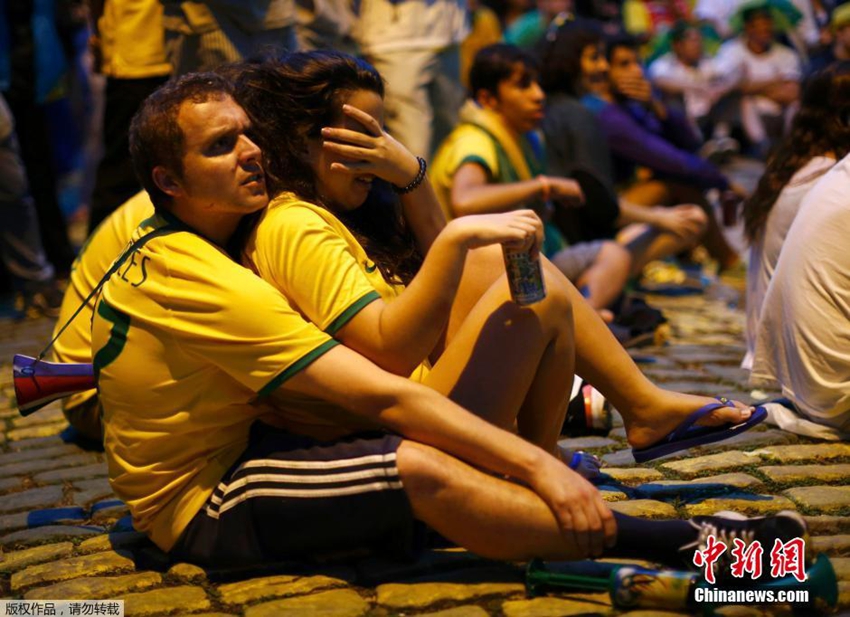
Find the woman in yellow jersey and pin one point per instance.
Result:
(355, 239)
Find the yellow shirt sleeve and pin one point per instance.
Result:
(211, 309)
(466, 144)
(314, 263)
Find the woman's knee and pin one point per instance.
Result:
(559, 300)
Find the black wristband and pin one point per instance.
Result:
(423, 166)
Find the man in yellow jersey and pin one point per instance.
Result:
(103, 246)
(189, 346)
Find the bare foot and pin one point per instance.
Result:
(644, 427)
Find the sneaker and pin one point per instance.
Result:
(727, 526)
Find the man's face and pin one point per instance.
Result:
(689, 49)
(519, 100)
(624, 66)
(222, 167)
(759, 29)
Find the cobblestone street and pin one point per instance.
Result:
(63, 534)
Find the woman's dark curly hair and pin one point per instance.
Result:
(560, 59)
(821, 126)
(289, 100)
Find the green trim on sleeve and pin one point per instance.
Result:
(299, 365)
(117, 336)
(478, 160)
(346, 316)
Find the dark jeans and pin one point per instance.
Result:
(20, 241)
(37, 154)
(116, 182)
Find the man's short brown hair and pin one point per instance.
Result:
(156, 138)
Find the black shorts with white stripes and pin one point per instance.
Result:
(292, 497)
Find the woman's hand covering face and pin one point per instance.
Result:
(370, 151)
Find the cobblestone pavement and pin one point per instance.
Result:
(63, 534)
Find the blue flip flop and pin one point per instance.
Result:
(686, 435)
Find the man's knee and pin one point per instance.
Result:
(615, 256)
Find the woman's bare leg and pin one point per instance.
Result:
(511, 365)
(649, 412)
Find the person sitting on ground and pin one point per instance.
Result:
(349, 257)
(574, 64)
(73, 344)
(647, 136)
(819, 136)
(765, 73)
(494, 162)
(690, 79)
(211, 484)
(802, 332)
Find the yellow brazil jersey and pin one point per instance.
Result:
(103, 246)
(309, 255)
(187, 344)
(469, 143)
(465, 144)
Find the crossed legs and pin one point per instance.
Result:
(516, 363)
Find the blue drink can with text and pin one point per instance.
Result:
(525, 277)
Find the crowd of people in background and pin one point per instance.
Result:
(611, 119)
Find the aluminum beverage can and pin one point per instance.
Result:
(525, 277)
(635, 587)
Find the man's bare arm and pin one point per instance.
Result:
(349, 380)
(473, 194)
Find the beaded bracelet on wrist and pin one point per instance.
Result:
(423, 166)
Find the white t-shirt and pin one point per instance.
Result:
(765, 250)
(698, 83)
(740, 65)
(384, 26)
(720, 12)
(803, 339)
